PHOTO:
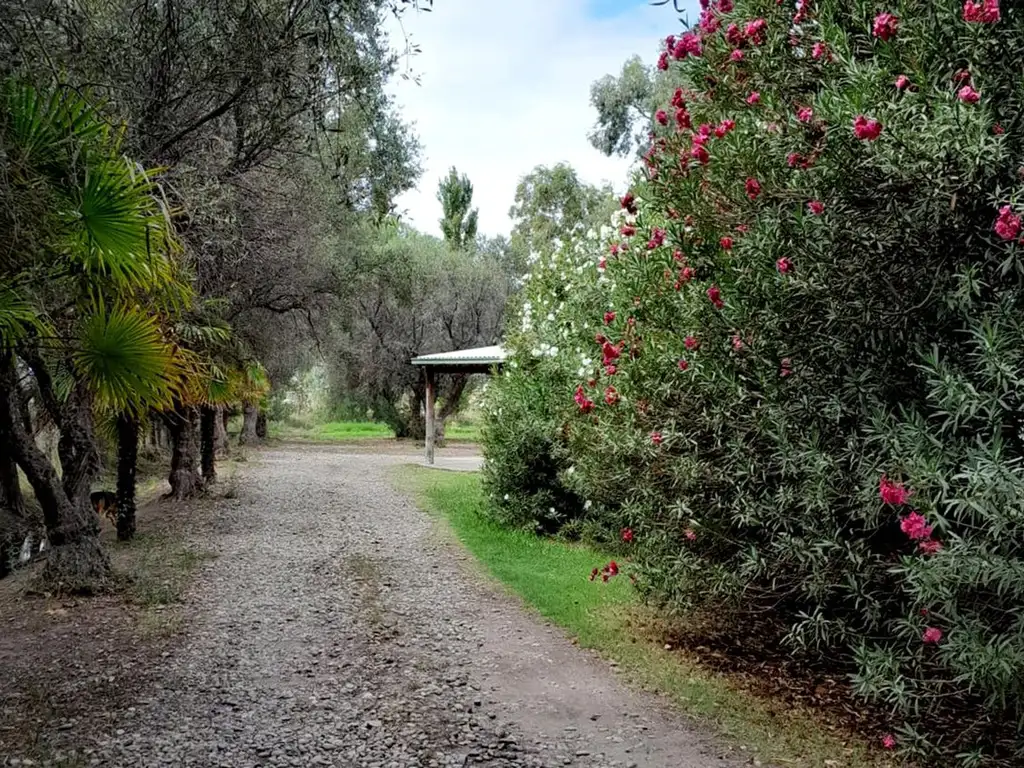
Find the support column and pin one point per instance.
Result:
(430, 413)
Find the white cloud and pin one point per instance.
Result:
(505, 88)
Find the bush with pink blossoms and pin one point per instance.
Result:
(874, 279)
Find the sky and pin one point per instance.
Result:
(505, 87)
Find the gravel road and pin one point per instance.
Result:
(338, 626)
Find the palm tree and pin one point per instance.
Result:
(83, 237)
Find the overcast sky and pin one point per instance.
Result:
(506, 87)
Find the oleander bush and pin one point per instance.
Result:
(795, 372)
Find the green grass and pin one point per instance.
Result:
(362, 430)
(352, 430)
(552, 577)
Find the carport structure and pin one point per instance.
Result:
(461, 361)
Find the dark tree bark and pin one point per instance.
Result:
(11, 497)
(220, 433)
(127, 463)
(249, 416)
(208, 420)
(185, 480)
(76, 561)
(261, 424)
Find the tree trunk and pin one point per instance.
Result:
(452, 401)
(76, 561)
(127, 463)
(11, 497)
(248, 433)
(185, 479)
(220, 433)
(208, 420)
(261, 424)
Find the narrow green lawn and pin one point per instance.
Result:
(352, 430)
(553, 577)
(362, 430)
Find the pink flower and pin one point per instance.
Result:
(998, 129)
(612, 568)
(753, 98)
(793, 159)
(755, 31)
(930, 546)
(715, 295)
(610, 370)
(656, 438)
(628, 201)
(627, 535)
(661, 116)
(736, 55)
(885, 26)
(609, 317)
(690, 535)
(687, 45)
(816, 207)
(726, 126)
(820, 51)
(915, 526)
(962, 76)
(734, 35)
(903, 83)
(691, 343)
(866, 128)
(985, 12)
(932, 635)
(663, 61)
(1008, 224)
(677, 98)
(892, 492)
(737, 343)
(968, 95)
(753, 187)
(784, 265)
(683, 365)
(686, 274)
(888, 741)
(805, 114)
(627, 230)
(726, 243)
(785, 367)
(611, 397)
(602, 264)
(682, 118)
(610, 352)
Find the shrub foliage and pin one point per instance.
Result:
(795, 370)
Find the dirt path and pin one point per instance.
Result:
(336, 627)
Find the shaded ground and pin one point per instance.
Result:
(334, 627)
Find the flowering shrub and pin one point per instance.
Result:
(810, 316)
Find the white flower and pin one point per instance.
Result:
(586, 504)
(506, 497)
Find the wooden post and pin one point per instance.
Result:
(430, 413)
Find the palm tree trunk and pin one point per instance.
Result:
(261, 424)
(76, 561)
(208, 420)
(185, 479)
(127, 463)
(220, 433)
(249, 415)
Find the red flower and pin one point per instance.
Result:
(628, 202)
(683, 365)
(930, 546)
(726, 243)
(610, 370)
(820, 51)
(661, 117)
(885, 26)
(715, 295)
(690, 535)
(609, 317)
(610, 352)
(627, 230)
(691, 343)
(593, 574)
(613, 568)
(657, 438)
(816, 207)
(734, 35)
(737, 343)
(903, 83)
(1008, 224)
(736, 55)
(687, 45)
(998, 129)
(586, 404)
(968, 95)
(682, 119)
(985, 12)
(932, 635)
(962, 76)
(755, 31)
(784, 265)
(663, 61)
(627, 535)
(892, 492)
(700, 153)
(915, 526)
(866, 128)
(805, 114)
(726, 125)
(753, 187)
(754, 98)
(657, 238)
(677, 98)
(785, 367)
(888, 741)
(611, 397)
(602, 263)
(686, 274)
